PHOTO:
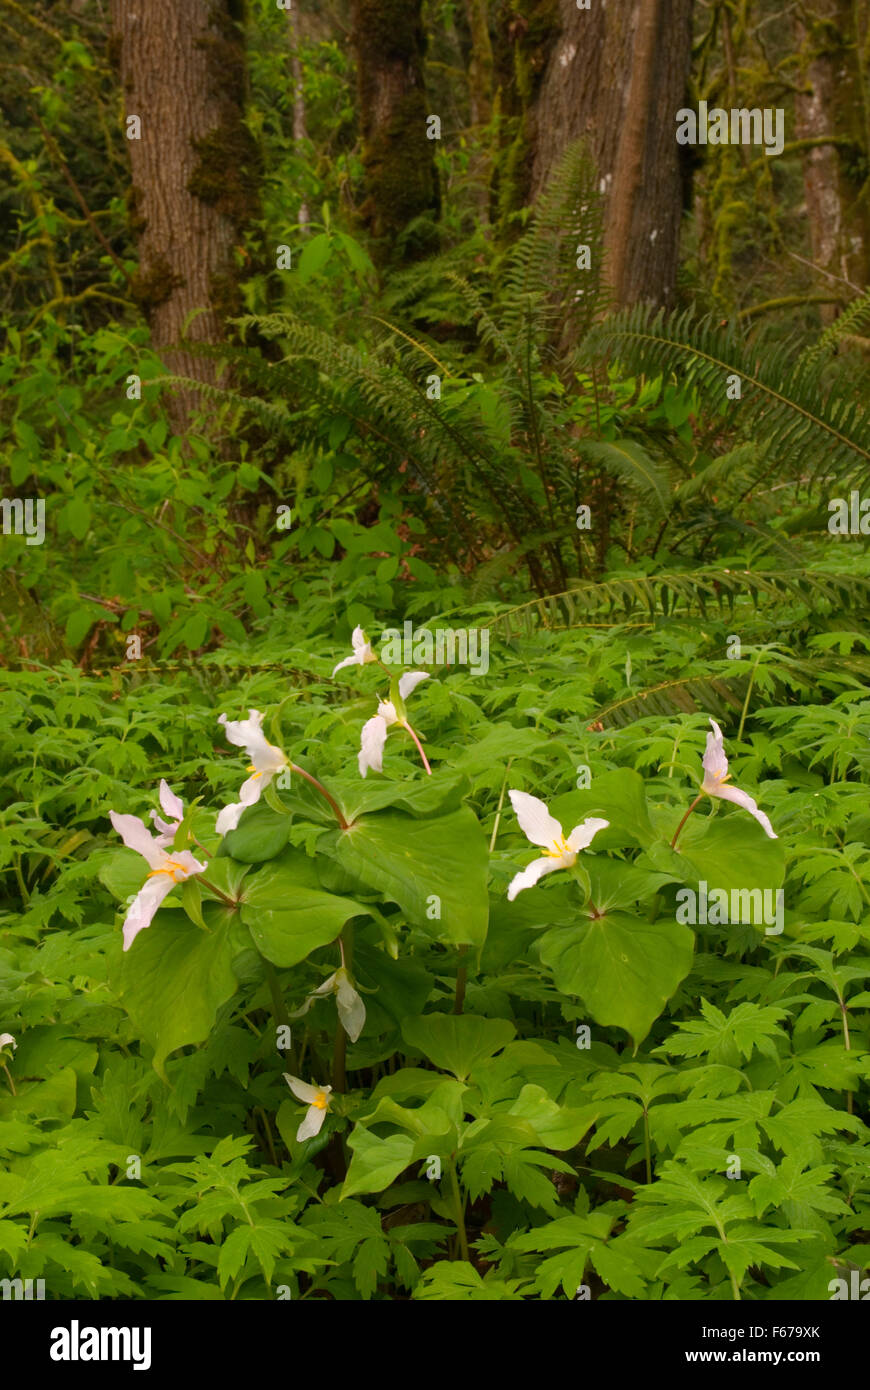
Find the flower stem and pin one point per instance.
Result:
(9, 1079)
(461, 978)
(228, 902)
(419, 748)
(279, 1011)
(323, 792)
(339, 1051)
(698, 798)
(459, 1207)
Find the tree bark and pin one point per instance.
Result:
(830, 34)
(617, 77)
(398, 158)
(194, 171)
(480, 71)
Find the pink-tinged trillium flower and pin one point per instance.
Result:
(374, 731)
(317, 1100)
(559, 851)
(265, 758)
(716, 774)
(362, 651)
(7, 1040)
(171, 806)
(348, 1001)
(166, 871)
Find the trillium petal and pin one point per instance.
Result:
(410, 681)
(242, 732)
(530, 876)
(170, 804)
(188, 863)
(7, 1040)
(714, 761)
(351, 1009)
(145, 905)
(583, 834)
(229, 818)
(739, 798)
(136, 835)
(535, 820)
(348, 661)
(372, 740)
(302, 1091)
(311, 1125)
(167, 829)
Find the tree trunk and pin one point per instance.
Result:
(835, 103)
(617, 77)
(480, 68)
(398, 158)
(194, 171)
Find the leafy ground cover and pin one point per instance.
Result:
(567, 1090)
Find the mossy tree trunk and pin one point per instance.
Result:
(398, 157)
(834, 49)
(194, 170)
(617, 76)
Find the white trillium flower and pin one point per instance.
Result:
(265, 758)
(716, 774)
(317, 1100)
(362, 651)
(374, 731)
(166, 871)
(173, 807)
(559, 851)
(7, 1040)
(348, 1001)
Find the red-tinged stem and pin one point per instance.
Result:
(419, 749)
(318, 786)
(698, 798)
(230, 902)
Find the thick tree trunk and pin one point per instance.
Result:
(194, 170)
(398, 158)
(835, 102)
(617, 77)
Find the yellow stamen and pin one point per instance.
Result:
(561, 848)
(168, 868)
(320, 1101)
(254, 770)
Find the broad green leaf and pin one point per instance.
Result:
(436, 869)
(624, 969)
(287, 918)
(457, 1042)
(260, 835)
(618, 797)
(174, 979)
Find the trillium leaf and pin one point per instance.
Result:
(624, 969)
(288, 915)
(429, 796)
(435, 870)
(260, 835)
(457, 1042)
(618, 797)
(175, 978)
